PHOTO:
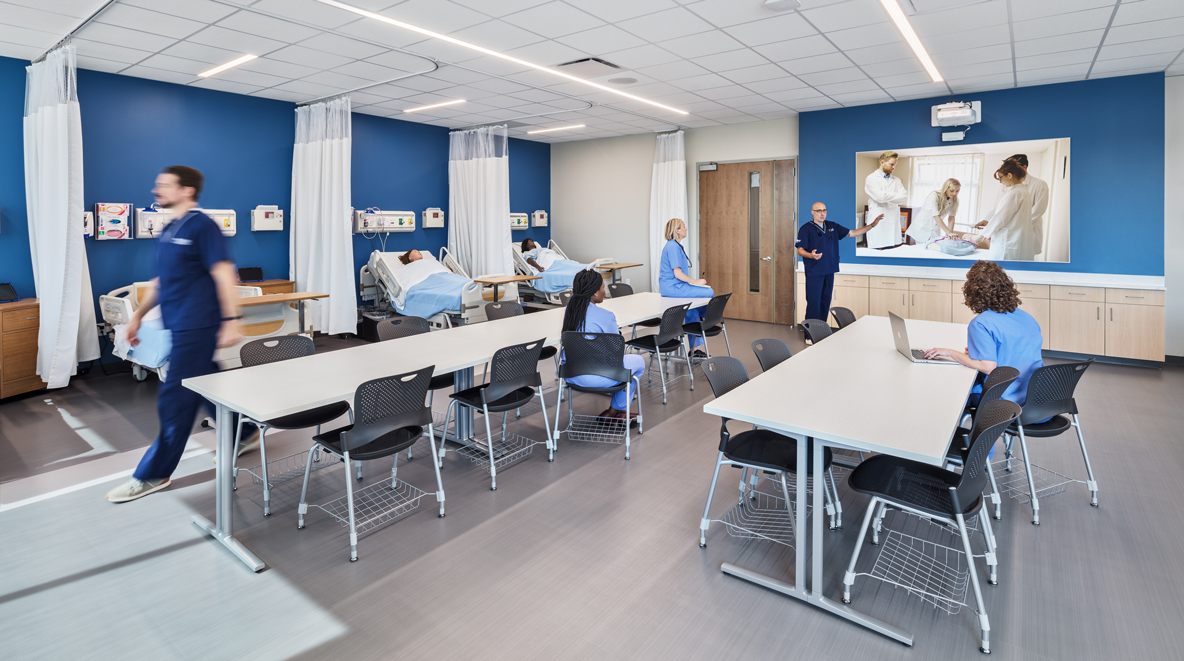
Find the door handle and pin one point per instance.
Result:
(766, 259)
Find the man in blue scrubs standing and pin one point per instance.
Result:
(818, 245)
(199, 306)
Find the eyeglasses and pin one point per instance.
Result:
(818, 210)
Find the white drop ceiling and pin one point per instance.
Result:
(723, 61)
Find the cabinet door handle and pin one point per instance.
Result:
(31, 318)
(1074, 293)
(1134, 297)
(924, 285)
(1099, 313)
(1111, 314)
(914, 299)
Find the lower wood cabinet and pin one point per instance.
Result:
(19, 325)
(1134, 331)
(1077, 327)
(852, 298)
(929, 305)
(882, 301)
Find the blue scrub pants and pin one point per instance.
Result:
(818, 291)
(635, 364)
(680, 289)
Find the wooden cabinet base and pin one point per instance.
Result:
(20, 386)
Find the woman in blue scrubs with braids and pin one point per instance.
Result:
(674, 281)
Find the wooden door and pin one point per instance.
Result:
(1077, 327)
(929, 305)
(746, 238)
(882, 301)
(1135, 331)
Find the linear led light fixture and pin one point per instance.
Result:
(906, 31)
(486, 51)
(435, 105)
(229, 65)
(557, 128)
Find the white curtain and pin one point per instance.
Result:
(479, 200)
(321, 244)
(668, 196)
(53, 194)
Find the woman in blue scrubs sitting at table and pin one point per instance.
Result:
(674, 281)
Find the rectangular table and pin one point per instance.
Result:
(269, 391)
(614, 269)
(853, 391)
(268, 307)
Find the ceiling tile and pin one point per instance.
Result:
(849, 87)
(277, 68)
(763, 72)
(175, 64)
(553, 19)
(1076, 71)
(309, 57)
(731, 94)
(981, 83)
(36, 19)
(788, 97)
(1169, 27)
(200, 52)
(1091, 39)
(794, 49)
(696, 83)
(498, 36)
(547, 53)
(642, 56)
(401, 62)
(604, 39)
(978, 69)
(776, 85)
(344, 46)
(312, 90)
(1078, 21)
(381, 33)
(436, 15)
(96, 64)
(1079, 56)
(1148, 47)
(20, 39)
(1126, 72)
(197, 10)
(721, 114)
(735, 59)
(1023, 11)
(772, 29)
(369, 71)
(615, 11)
(365, 98)
(865, 35)
(1148, 10)
(499, 8)
(833, 76)
(111, 52)
(817, 63)
(665, 25)
(260, 25)
(973, 38)
(1160, 60)
(157, 74)
(225, 86)
(308, 11)
(972, 56)
(821, 103)
(883, 53)
(920, 90)
(905, 80)
(116, 35)
(234, 40)
(674, 70)
(932, 24)
(725, 13)
(453, 74)
(698, 45)
(423, 84)
(534, 77)
(858, 98)
(892, 68)
(846, 15)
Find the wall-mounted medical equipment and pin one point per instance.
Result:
(433, 217)
(267, 218)
(88, 224)
(376, 221)
(225, 218)
(150, 222)
(539, 218)
(113, 220)
(519, 221)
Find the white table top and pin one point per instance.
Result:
(853, 389)
(270, 391)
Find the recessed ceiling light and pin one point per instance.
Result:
(557, 128)
(622, 81)
(435, 105)
(906, 30)
(229, 65)
(486, 51)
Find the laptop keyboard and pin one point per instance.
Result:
(918, 354)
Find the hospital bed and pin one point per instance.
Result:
(410, 290)
(259, 321)
(555, 281)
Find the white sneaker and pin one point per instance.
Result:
(133, 489)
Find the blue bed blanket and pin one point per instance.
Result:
(437, 293)
(558, 276)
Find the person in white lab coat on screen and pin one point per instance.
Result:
(885, 194)
(1009, 226)
(1039, 190)
(930, 223)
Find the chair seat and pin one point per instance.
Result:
(310, 418)
(548, 353)
(606, 390)
(767, 449)
(472, 397)
(649, 323)
(383, 446)
(442, 381)
(650, 343)
(710, 332)
(920, 486)
(1058, 424)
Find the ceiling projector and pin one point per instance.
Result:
(958, 113)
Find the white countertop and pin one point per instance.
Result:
(1154, 282)
(855, 390)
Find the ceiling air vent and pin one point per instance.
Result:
(589, 67)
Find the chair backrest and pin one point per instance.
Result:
(513, 367)
(619, 289)
(996, 384)
(843, 317)
(565, 297)
(724, 374)
(397, 327)
(816, 330)
(502, 310)
(989, 424)
(672, 321)
(713, 315)
(596, 354)
(384, 405)
(1050, 391)
(770, 353)
(275, 349)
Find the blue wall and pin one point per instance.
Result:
(133, 127)
(1117, 129)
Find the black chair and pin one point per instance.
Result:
(816, 330)
(667, 341)
(1050, 399)
(272, 350)
(843, 317)
(756, 449)
(711, 324)
(994, 386)
(400, 327)
(770, 353)
(939, 495)
(513, 380)
(391, 416)
(619, 289)
(597, 354)
(507, 309)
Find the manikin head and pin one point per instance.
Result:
(411, 256)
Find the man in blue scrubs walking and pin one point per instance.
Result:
(818, 245)
(199, 306)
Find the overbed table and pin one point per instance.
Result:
(852, 391)
(615, 269)
(499, 280)
(269, 391)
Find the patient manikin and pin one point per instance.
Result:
(538, 257)
(410, 256)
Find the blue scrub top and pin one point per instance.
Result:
(673, 257)
(825, 240)
(599, 320)
(1012, 339)
(185, 253)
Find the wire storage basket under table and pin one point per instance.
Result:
(292, 467)
(1013, 481)
(508, 448)
(926, 564)
(595, 429)
(760, 515)
(376, 505)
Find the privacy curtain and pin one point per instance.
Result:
(321, 245)
(668, 196)
(479, 200)
(53, 194)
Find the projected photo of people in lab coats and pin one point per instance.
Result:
(1003, 201)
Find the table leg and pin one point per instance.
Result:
(300, 311)
(464, 414)
(495, 292)
(223, 530)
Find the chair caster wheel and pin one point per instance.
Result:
(493, 488)
(441, 516)
(353, 559)
(1093, 504)
(984, 650)
(267, 514)
(626, 458)
(300, 527)
(993, 582)
(551, 459)
(997, 518)
(846, 601)
(702, 546)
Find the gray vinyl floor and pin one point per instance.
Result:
(589, 557)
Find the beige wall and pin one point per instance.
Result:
(1173, 213)
(600, 189)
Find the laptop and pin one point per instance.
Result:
(901, 336)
